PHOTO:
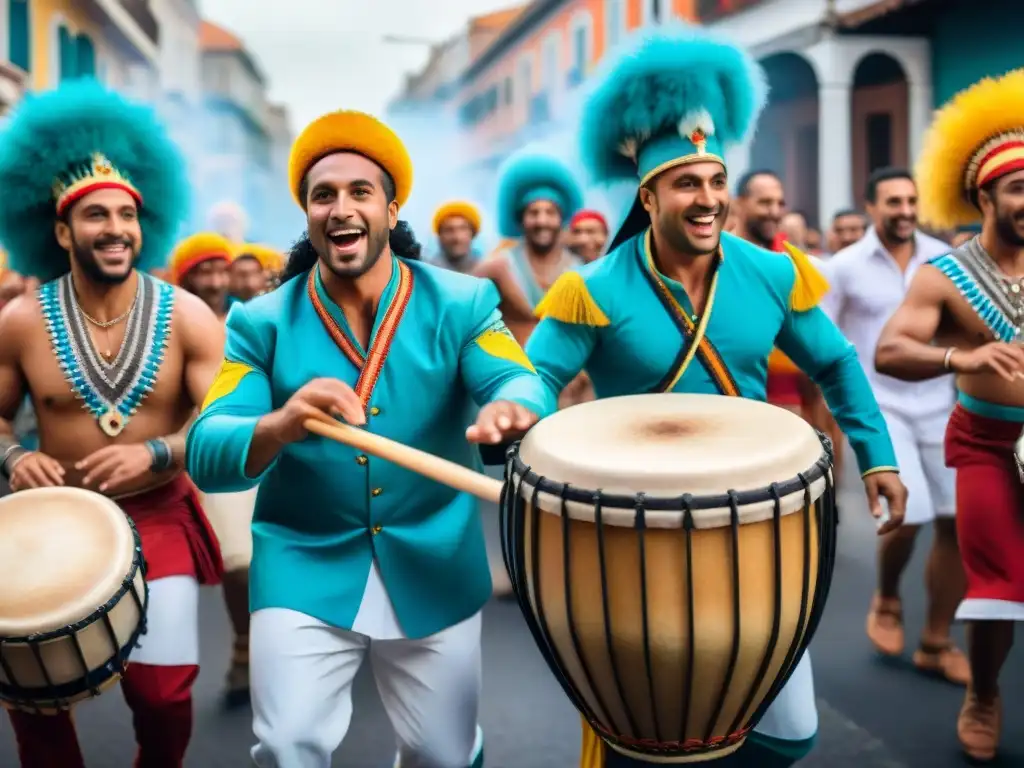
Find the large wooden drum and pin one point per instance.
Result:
(672, 555)
(72, 597)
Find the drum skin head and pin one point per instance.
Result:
(64, 552)
(672, 444)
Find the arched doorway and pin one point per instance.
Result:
(879, 115)
(786, 140)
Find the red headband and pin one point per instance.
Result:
(586, 215)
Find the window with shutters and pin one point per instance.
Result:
(19, 34)
(614, 21)
(85, 56)
(551, 50)
(68, 53)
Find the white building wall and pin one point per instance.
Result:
(795, 26)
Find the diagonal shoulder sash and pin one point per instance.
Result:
(695, 341)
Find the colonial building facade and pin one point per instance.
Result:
(49, 41)
(240, 157)
(854, 83)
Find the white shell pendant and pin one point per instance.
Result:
(112, 423)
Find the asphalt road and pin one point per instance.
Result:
(874, 713)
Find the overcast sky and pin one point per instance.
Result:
(322, 55)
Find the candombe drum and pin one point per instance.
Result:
(73, 597)
(672, 555)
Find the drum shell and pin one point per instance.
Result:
(614, 610)
(50, 672)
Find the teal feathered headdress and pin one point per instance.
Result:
(677, 95)
(527, 177)
(62, 144)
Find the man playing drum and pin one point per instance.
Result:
(679, 306)
(92, 191)
(963, 315)
(366, 558)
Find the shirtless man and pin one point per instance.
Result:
(536, 195)
(91, 193)
(963, 315)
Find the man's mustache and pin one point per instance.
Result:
(103, 242)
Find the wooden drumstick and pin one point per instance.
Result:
(443, 471)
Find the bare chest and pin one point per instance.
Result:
(72, 377)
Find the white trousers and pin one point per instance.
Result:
(920, 452)
(230, 514)
(793, 716)
(172, 624)
(301, 674)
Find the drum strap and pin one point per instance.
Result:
(695, 340)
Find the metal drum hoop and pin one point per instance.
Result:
(60, 697)
(513, 511)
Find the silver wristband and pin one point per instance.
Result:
(12, 455)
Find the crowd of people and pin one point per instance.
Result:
(710, 285)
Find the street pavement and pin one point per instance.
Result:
(874, 713)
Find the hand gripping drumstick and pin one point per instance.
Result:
(443, 471)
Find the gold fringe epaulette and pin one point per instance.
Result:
(810, 285)
(569, 301)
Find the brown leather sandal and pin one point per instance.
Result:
(885, 626)
(945, 660)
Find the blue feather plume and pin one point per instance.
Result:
(661, 77)
(529, 170)
(51, 132)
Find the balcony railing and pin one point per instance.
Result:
(144, 17)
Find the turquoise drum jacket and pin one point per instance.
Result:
(632, 329)
(325, 511)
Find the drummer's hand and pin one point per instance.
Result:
(110, 469)
(330, 396)
(889, 486)
(499, 421)
(36, 470)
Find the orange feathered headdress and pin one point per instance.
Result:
(976, 138)
(194, 250)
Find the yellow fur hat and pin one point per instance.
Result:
(269, 258)
(350, 131)
(976, 138)
(466, 210)
(194, 250)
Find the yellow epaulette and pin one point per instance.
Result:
(569, 301)
(810, 285)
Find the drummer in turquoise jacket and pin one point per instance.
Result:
(352, 553)
(679, 306)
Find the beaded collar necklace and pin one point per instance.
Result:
(111, 391)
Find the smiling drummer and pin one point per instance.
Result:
(92, 192)
(679, 306)
(370, 559)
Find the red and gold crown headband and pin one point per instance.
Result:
(997, 157)
(98, 173)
